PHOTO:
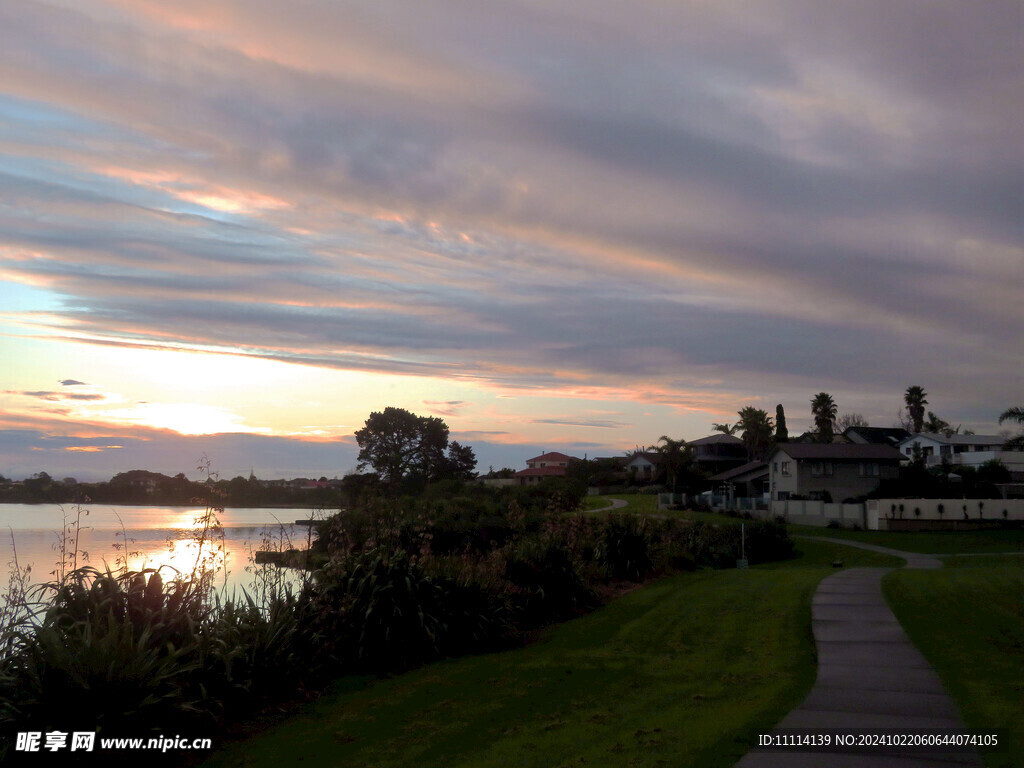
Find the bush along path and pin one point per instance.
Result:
(872, 684)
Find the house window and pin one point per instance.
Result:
(869, 469)
(775, 466)
(821, 468)
(785, 468)
(909, 451)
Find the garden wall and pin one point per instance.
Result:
(925, 514)
(820, 513)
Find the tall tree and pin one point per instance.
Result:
(915, 398)
(1013, 414)
(726, 429)
(461, 462)
(756, 428)
(823, 408)
(396, 444)
(781, 433)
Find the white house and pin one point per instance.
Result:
(963, 450)
(643, 465)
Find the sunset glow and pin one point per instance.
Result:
(238, 228)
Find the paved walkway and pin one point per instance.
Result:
(871, 678)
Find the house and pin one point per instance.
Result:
(546, 465)
(830, 471)
(718, 453)
(748, 480)
(962, 450)
(643, 465)
(875, 435)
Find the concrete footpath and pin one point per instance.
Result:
(871, 680)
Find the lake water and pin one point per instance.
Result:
(156, 536)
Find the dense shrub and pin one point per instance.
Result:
(546, 584)
(768, 542)
(625, 548)
(721, 546)
(391, 613)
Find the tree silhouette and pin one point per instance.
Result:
(726, 429)
(915, 398)
(848, 420)
(1013, 414)
(823, 408)
(781, 432)
(756, 428)
(674, 457)
(397, 444)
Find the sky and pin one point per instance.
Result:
(235, 228)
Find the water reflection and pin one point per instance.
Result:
(146, 537)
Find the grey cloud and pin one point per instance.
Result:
(72, 383)
(596, 423)
(602, 125)
(445, 407)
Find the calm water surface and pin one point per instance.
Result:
(157, 536)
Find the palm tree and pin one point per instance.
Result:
(914, 397)
(756, 426)
(674, 456)
(1013, 414)
(726, 429)
(823, 408)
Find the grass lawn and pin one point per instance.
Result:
(683, 672)
(927, 542)
(821, 554)
(968, 621)
(638, 503)
(647, 504)
(592, 503)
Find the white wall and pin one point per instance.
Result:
(953, 509)
(819, 513)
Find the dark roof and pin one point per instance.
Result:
(879, 435)
(838, 451)
(554, 456)
(541, 472)
(618, 460)
(717, 439)
(652, 456)
(750, 466)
